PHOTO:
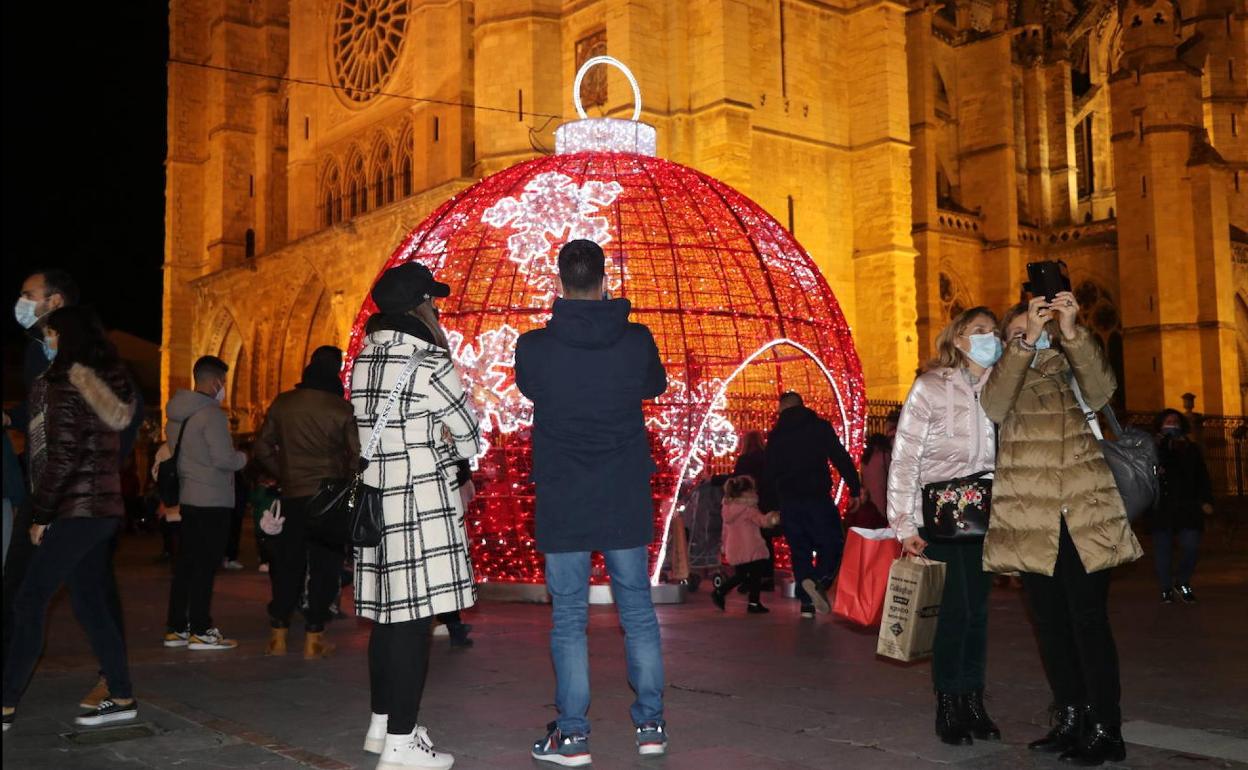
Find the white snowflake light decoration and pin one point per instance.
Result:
(487, 368)
(680, 415)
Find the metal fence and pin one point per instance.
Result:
(1223, 440)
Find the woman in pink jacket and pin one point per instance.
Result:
(744, 547)
(944, 434)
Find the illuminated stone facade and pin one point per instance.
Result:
(923, 154)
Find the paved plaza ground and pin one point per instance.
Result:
(745, 692)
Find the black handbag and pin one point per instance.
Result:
(348, 511)
(168, 485)
(957, 511)
(1131, 457)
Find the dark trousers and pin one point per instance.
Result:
(813, 529)
(1163, 556)
(236, 533)
(204, 535)
(750, 573)
(73, 552)
(960, 650)
(294, 555)
(1076, 643)
(398, 659)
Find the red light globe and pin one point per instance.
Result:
(739, 310)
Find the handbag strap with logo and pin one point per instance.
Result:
(384, 417)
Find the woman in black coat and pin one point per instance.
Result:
(1186, 498)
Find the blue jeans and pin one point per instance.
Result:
(1163, 555)
(813, 529)
(567, 580)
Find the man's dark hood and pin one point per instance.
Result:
(589, 323)
(795, 417)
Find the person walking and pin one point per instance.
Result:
(587, 373)
(1186, 499)
(943, 434)
(78, 409)
(199, 435)
(415, 420)
(743, 546)
(752, 462)
(308, 435)
(798, 450)
(877, 457)
(1058, 519)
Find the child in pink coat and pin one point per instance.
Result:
(744, 547)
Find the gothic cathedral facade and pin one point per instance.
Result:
(923, 152)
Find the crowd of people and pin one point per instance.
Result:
(1003, 397)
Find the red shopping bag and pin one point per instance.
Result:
(863, 580)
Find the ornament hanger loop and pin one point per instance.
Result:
(611, 60)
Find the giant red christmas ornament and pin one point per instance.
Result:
(739, 310)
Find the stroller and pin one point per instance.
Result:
(701, 527)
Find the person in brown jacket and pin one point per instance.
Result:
(79, 407)
(1057, 517)
(309, 434)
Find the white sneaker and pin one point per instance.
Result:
(232, 564)
(177, 638)
(403, 752)
(375, 738)
(212, 639)
(107, 712)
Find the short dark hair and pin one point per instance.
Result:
(792, 398)
(209, 366)
(1184, 423)
(57, 281)
(582, 266)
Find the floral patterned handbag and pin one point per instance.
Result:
(956, 511)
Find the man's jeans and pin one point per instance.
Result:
(567, 580)
(813, 529)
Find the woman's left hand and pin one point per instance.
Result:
(1207, 508)
(36, 533)
(1067, 309)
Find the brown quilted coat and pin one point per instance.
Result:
(1049, 465)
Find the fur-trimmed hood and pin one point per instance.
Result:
(112, 411)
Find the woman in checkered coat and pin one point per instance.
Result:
(421, 567)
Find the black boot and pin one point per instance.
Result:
(1101, 743)
(976, 718)
(459, 634)
(949, 726)
(1066, 731)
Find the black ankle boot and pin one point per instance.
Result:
(1066, 731)
(949, 726)
(1101, 743)
(459, 634)
(976, 718)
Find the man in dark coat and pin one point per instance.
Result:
(587, 374)
(308, 435)
(798, 450)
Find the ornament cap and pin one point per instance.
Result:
(606, 134)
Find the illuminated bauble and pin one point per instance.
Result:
(739, 310)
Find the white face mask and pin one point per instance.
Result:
(25, 312)
(220, 394)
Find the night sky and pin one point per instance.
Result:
(84, 149)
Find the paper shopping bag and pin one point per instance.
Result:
(911, 608)
(863, 579)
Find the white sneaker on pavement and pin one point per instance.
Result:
(232, 564)
(405, 752)
(375, 738)
(212, 639)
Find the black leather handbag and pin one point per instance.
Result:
(957, 511)
(168, 483)
(348, 511)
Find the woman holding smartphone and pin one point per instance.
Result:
(943, 434)
(1057, 517)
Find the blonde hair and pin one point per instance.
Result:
(947, 354)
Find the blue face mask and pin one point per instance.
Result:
(1043, 342)
(48, 350)
(985, 349)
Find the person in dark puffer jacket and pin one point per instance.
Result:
(79, 408)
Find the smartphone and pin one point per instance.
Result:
(1047, 279)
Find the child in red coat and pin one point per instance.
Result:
(744, 547)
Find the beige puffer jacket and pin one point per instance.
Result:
(942, 434)
(1049, 465)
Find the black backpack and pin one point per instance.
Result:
(168, 485)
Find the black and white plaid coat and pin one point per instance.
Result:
(421, 567)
